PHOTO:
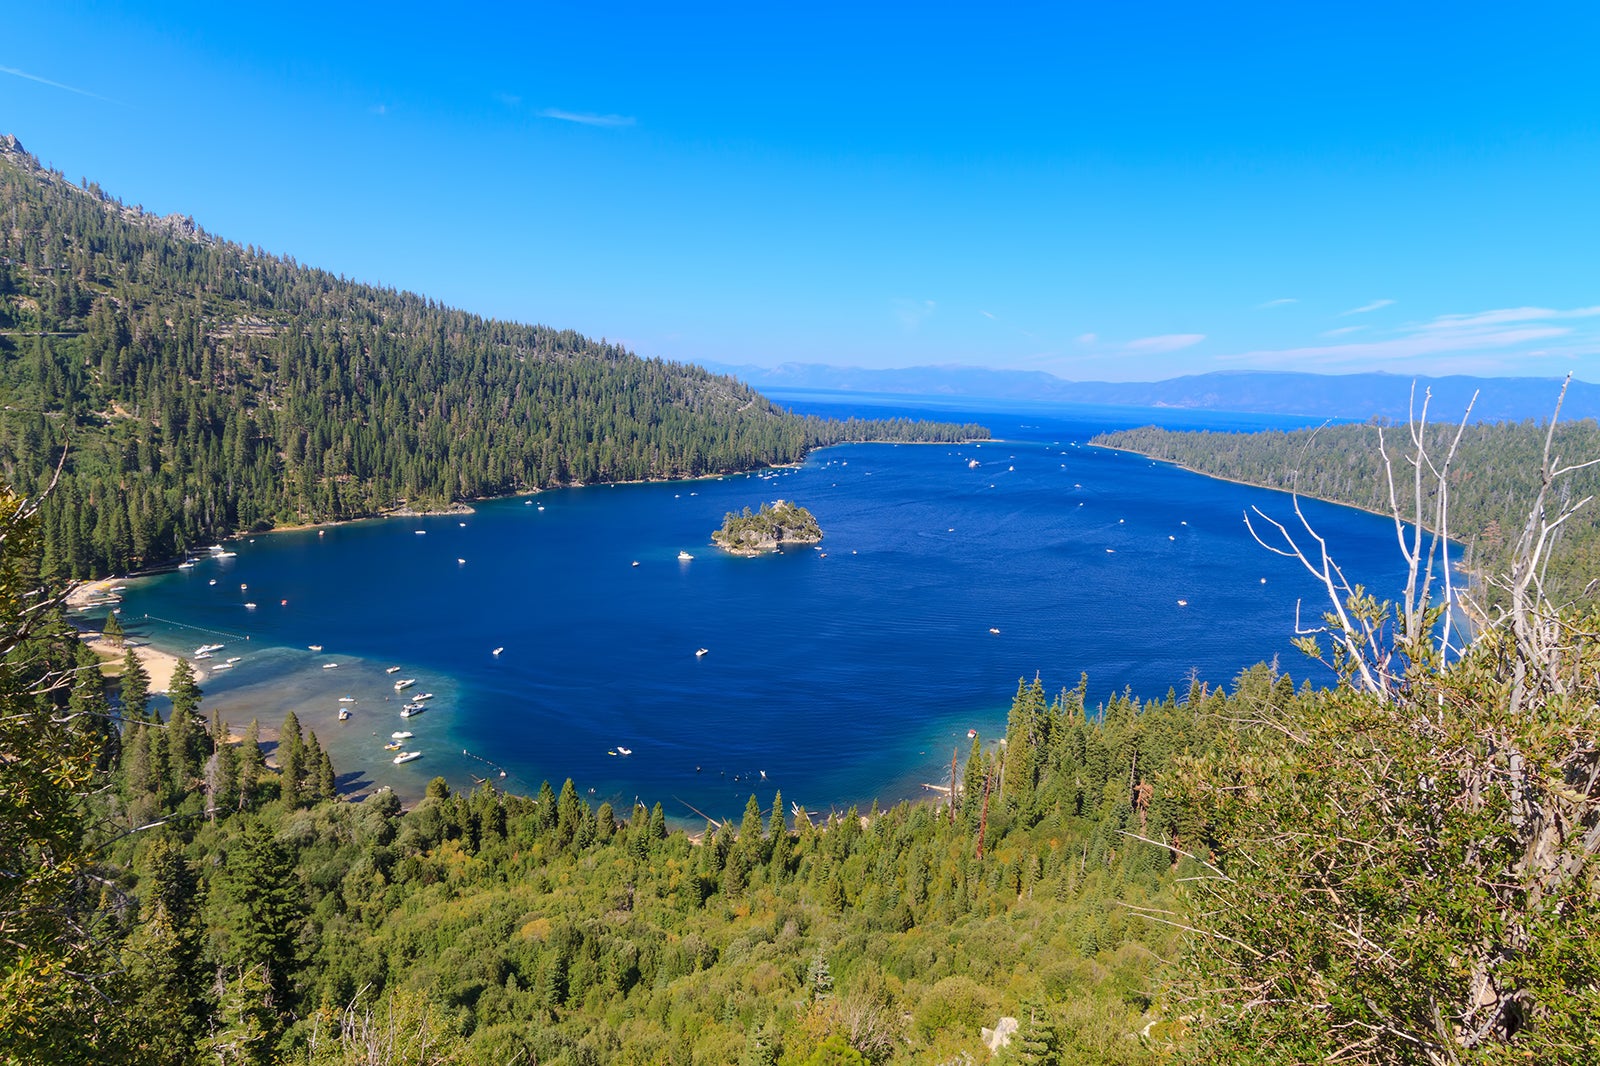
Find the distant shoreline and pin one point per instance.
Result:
(466, 507)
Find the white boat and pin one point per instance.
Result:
(685, 556)
(407, 756)
(411, 710)
(329, 666)
(344, 715)
(424, 696)
(994, 629)
(234, 659)
(314, 647)
(624, 751)
(402, 734)
(213, 581)
(215, 549)
(636, 562)
(404, 683)
(392, 670)
(201, 655)
(392, 746)
(347, 699)
(701, 651)
(209, 647)
(497, 651)
(226, 555)
(243, 587)
(186, 565)
(249, 606)
(222, 666)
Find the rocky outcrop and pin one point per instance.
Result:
(766, 530)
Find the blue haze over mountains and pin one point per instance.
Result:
(1339, 396)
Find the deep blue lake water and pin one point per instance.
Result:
(845, 674)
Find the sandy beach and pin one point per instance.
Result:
(158, 664)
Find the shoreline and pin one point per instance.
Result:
(466, 507)
(157, 663)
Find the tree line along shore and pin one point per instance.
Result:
(189, 388)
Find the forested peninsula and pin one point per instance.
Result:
(1496, 472)
(199, 388)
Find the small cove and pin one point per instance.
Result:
(839, 675)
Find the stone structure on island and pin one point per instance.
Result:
(774, 525)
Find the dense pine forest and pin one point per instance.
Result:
(197, 388)
(1495, 474)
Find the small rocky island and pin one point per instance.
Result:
(776, 524)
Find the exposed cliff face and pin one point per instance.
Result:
(776, 524)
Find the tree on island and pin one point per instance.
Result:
(780, 522)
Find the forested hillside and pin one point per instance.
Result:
(1495, 474)
(200, 388)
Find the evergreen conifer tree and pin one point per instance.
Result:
(165, 954)
(260, 905)
(135, 689)
(224, 773)
(186, 741)
(250, 763)
(291, 761)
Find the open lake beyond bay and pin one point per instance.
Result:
(839, 675)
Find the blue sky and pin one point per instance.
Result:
(1102, 191)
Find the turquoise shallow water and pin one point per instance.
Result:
(843, 674)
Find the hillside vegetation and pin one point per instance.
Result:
(199, 388)
(1495, 475)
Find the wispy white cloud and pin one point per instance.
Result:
(585, 118)
(1088, 338)
(379, 109)
(912, 313)
(1166, 342)
(1498, 341)
(15, 73)
(1280, 302)
(986, 314)
(1506, 315)
(1375, 305)
(508, 99)
(1341, 331)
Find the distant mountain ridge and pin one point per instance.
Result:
(1345, 396)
